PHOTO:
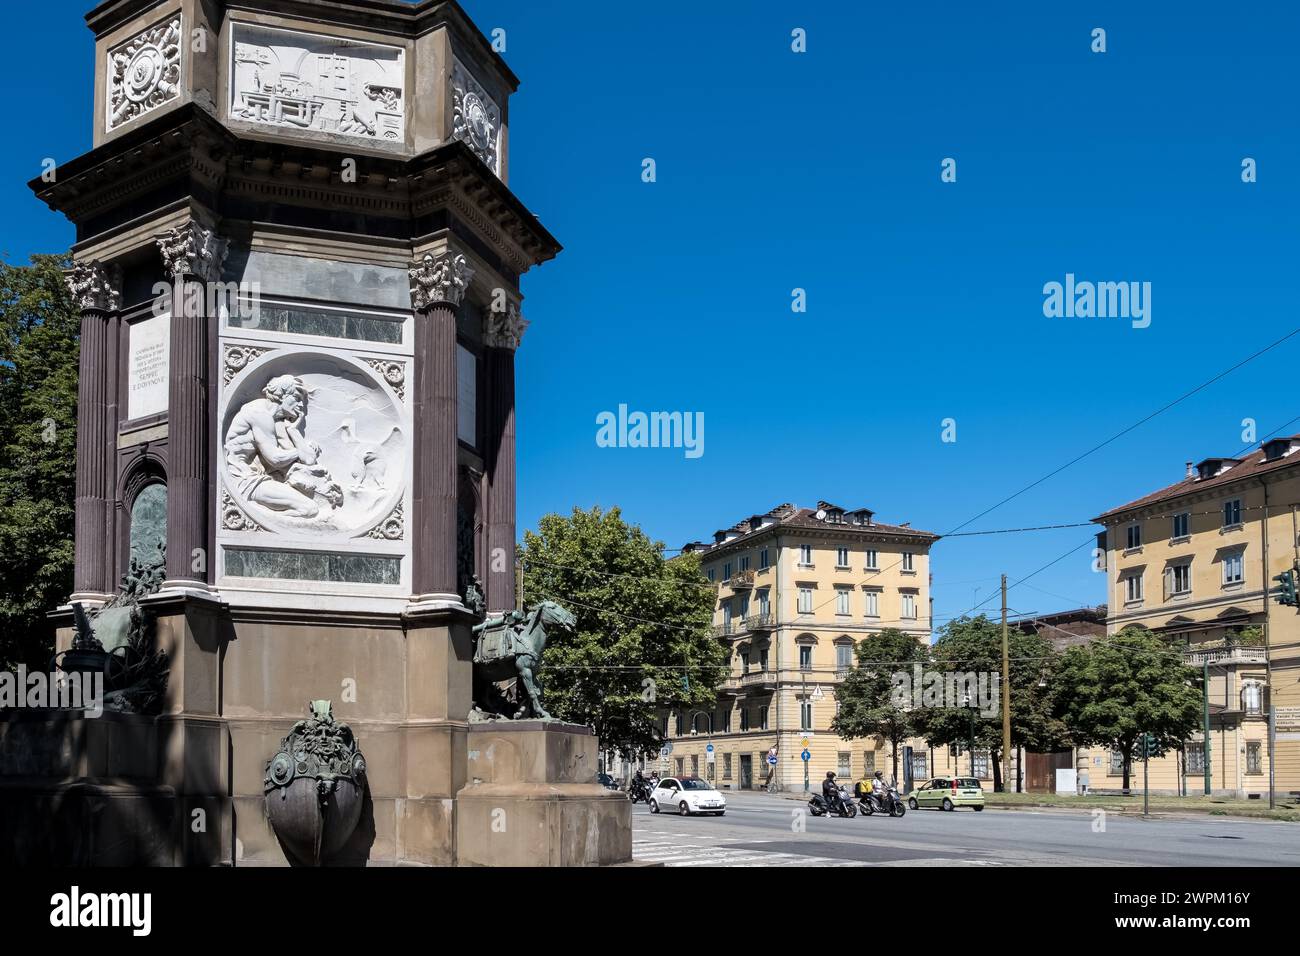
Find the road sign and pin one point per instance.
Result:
(665, 750)
(710, 757)
(709, 748)
(804, 743)
(771, 759)
(806, 756)
(1288, 718)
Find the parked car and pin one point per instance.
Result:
(687, 795)
(947, 793)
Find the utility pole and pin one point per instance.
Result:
(1205, 717)
(803, 702)
(1146, 761)
(1006, 696)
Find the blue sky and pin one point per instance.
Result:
(821, 171)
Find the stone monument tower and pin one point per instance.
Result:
(298, 263)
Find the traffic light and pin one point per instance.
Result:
(1149, 746)
(1286, 589)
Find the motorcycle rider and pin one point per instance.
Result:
(830, 792)
(878, 790)
(638, 784)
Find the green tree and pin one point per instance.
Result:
(643, 643)
(973, 646)
(869, 706)
(39, 333)
(1112, 691)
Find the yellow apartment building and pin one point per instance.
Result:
(1195, 561)
(797, 589)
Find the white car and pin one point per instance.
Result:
(687, 795)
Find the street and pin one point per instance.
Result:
(762, 830)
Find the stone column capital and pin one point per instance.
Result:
(440, 280)
(192, 249)
(95, 287)
(504, 330)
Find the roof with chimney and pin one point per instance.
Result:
(1272, 455)
(825, 517)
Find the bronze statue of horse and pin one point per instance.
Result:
(510, 646)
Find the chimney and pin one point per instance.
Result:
(1191, 472)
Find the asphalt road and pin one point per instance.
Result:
(763, 830)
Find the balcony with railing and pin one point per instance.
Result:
(760, 622)
(741, 580)
(729, 629)
(759, 679)
(1224, 655)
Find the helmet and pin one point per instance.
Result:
(830, 774)
(880, 773)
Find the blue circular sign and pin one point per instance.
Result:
(771, 758)
(709, 748)
(806, 756)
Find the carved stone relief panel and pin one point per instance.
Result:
(314, 447)
(476, 118)
(143, 73)
(307, 81)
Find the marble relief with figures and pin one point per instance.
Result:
(310, 82)
(313, 447)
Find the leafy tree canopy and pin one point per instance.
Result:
(869, 706)
(642, 645)
(39, 334)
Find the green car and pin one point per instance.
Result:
(947, 793)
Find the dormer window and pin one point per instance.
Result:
(1213, 467)
(1277, 448)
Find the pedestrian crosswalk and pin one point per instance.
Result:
(676, 853)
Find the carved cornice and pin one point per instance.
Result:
(95, 287)
(184, 151)
(438, 280)
(192, 250)
(504, 330)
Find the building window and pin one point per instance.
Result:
(805, 715)
(805, 600)
(909, 607)
(1133, 585)
(907, 561)
(764, 599)
(1180, 579)
(873, 560)
(1116, 762)
(1232, 566)
(680, 765)
(843, 764)
(744, 564)
(1194, 757)
(842, 601)
(762, 560)
(744, 605)
(726, 612)
(726, 766)
(1252, 697)
(1181, 523)
(762, 659)
(744, 718)
(805, 556)
(1134, 536)
(868, 762)
(873, 603)
(744, 661)
(762, 716)
(843, 657)
(695, 765)
(681, 724)
(726, 571)
(711, 576)
(726, 721)
(842, 558)
(1232, 512)
(920, 769)
(1254, 757)
(805, 658)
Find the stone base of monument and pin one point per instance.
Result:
(532, 799)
